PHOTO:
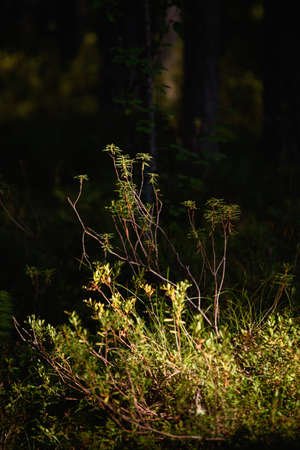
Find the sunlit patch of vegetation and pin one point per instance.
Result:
(157, 360)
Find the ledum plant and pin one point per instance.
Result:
(140, 233)
(155, 359)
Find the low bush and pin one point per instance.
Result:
(162, 362)
(167, 375)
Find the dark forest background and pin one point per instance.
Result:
(208, 88)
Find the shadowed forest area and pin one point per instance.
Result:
(150, 220)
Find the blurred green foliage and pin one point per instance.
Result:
(38, 84)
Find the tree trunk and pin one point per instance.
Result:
(281, 84)
(201, 84)
(152, 150)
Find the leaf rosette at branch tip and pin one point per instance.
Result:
(81, 178)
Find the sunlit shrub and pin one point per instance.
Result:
(157, 361)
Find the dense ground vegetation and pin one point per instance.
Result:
(158, 361)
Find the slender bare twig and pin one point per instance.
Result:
(14, 221)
